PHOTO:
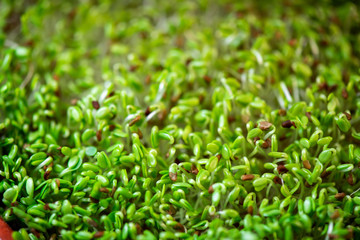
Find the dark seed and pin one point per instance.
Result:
(333, 236)
(324, 42)
(133, 68)
(282, 169)
(147, 111)
(175, 98)
(282, 138)
(72, 14)
(112, 127)
(335, 215)
(315, 64)
(281, 163)
(73, 101)
(138, 228)
(92, 223)
(281, 63)
(179, 227)
(350, 234)
(307, 164)
(140, 134)
(104, 190)
(173, 176)
(57, 182)
(143, 35)
(47, 175)
(345, 76)
(95, 104)
(332, 88)
(287, 124)
(207, 79)
(340, 196)
(323, 86)
(188, 61)
(36, 233)
(147, 79)
(250, 210)
(247, 177)
(231, 119)
(350, 179)
(236, 225)
(94, 200)
(264, 125)
(171, 210)
(162, 115)
(201, 98)
(58, 92)
(211, 189)
(110, 94)
(308, 115)
(241, 70)
(324, 174)
(348, 116)
(179, 41)
(194, 169)
(272, 80)
(277, 180)
(292, 42)
(267, 143)
(143, 58)
(282, 112)
(159, 67)
(239, 14)
(56, 77)
(98, 135)
(98, 234)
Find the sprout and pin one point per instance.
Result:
(123, 122)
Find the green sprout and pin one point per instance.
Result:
(179, 120)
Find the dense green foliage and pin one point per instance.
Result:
(180, 119)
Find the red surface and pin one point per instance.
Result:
(5, 231)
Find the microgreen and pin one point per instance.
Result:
(180, 120)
